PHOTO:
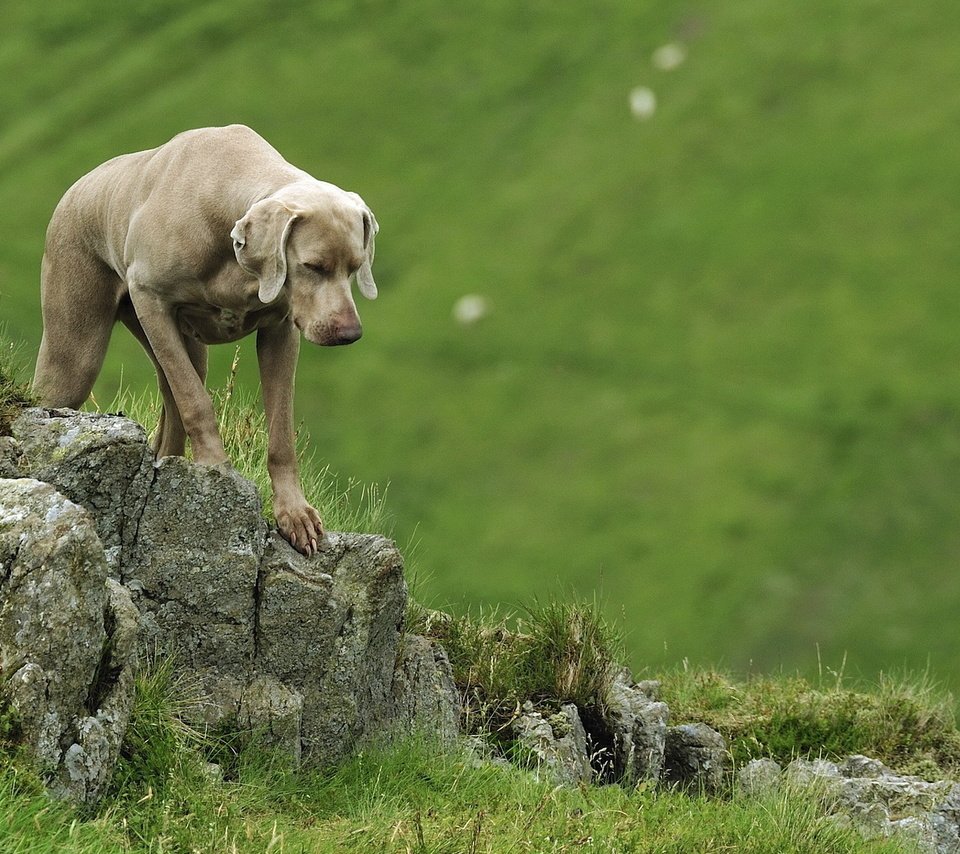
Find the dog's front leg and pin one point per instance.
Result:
(277, 350)
(193, 402)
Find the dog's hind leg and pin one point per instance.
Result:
(170, 438)
(79, 296)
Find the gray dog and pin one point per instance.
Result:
(146, 239)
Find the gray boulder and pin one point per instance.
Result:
(425, 696)
(556, 746)
(329, 628)
(307, 653)
(101, 462)
(9, 457)
(695, 758)
(758, 777)
(638, 729)
(193, 569)
(67, 638)
(883, 803)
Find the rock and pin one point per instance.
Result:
(101, 462)
(273, 714)
(649, 688)
(863, 767)
(194, 568)
(882, 803)
(329, 628)
(758, 777)
(695, 758)
(305, 652)
(9, 457)
(944, 824)
(820, 772)
(637, 727)
(555, 746)
(67, 639)
(425, 697)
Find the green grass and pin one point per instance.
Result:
(562, 652)
(405, 798)
(552, 653)
(14, 391)
(719, 377)
(907, 722)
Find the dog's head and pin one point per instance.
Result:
(308, 241)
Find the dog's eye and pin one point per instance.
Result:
(321, 269)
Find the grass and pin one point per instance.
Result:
(566, 652)
(718, 378)
(907, 722)
(14, 392)
(553, 653)
(405, 798)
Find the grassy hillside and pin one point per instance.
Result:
(718, 382)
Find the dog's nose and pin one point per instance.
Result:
(348, 333)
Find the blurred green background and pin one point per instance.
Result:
(717, 384)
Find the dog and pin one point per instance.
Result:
(203, 240)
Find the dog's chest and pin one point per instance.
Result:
(216, 325)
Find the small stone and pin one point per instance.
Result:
(695, 758)
(637, 727)
(863, 767)
(557, 746)
(758, 777)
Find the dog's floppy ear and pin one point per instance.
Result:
(368, 287)
(260, 244)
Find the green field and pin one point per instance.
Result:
(718, 386)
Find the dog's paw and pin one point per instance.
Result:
(302, 527)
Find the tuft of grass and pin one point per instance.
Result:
(907, 721)
(31, 822)
(344, 505)
(571, 654)
(15, 393)
(160, 749)
(554, 653)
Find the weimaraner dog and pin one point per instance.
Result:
(202, 241)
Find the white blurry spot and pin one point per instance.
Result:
(643, 103)
(469, 309)
(669, 56)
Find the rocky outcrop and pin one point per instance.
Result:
(67, 638)
(637, 725)
(864, 792)
(424, 693)
(100, 462)
(105, 550)
(554, 745)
